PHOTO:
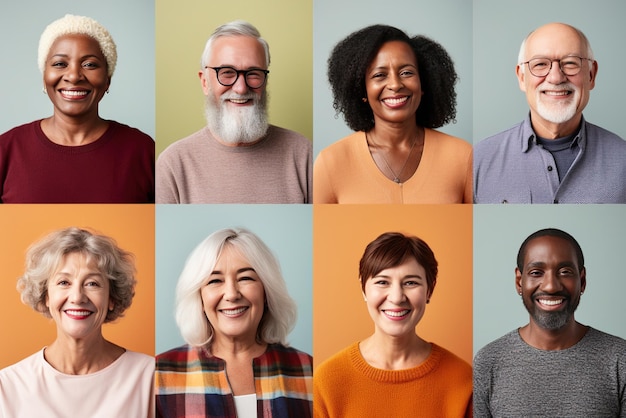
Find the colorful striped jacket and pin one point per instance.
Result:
(192, 384)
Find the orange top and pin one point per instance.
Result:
(345, 172)
(347, 386)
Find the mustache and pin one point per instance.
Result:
(564, 295)
(230, 95)
(562, 86)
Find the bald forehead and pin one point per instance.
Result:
(555, 40)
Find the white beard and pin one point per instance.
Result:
(240, 125)
(554, 112)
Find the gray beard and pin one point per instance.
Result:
(552, 320)
(237, 126)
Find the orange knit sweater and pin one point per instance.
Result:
(347, 386)
(345, 172)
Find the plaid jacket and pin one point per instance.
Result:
(191, 384)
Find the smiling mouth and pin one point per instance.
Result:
(78, 313)
(234, 312)
(397, 314)
(395, 101)
(74, 94)
(239, 101)
(550, 302)
(557, 93)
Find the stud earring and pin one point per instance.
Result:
(44, 91)
(364, 99)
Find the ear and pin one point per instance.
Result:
(204, 82)
(518, 280)
(521, 77)
(593, 71)
(583, 279)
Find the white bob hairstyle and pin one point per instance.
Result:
(279, 316)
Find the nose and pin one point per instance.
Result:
(556, 76)
(231, 291)
(395, 82)
(77, 295)
(73, 73)
(240, 86)
(396, 294)
(551, 282)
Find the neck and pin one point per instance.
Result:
(74, 131)
(394, 135)
(227, 348)
(549, 130)
(81, 356)
(394, 353)
(559, 339)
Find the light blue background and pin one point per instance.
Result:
(499, 28)
(448, 22)
(286, 229)
(499, 230)
(130, 23)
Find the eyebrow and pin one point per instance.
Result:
(408, 276)
(82, 58)
(541, 264)
(241, 270)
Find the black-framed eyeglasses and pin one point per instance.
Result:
(570, 65)
(227, 76)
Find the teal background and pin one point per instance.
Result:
(499, 230)
(286, 229)
(499, 28)
(130, 23)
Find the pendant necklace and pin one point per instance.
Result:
(396, 179)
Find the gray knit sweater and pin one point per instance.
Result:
(513, 379)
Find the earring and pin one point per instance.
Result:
(43, 90)
(428, 300)
(364, 99)
(107, 91)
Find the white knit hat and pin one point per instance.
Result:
(82, 25)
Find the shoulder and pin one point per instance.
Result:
(288, 355)
(497, 348)
(20, 131)
(447, 140)
(602, 341)
(605, 136)
(22, 368)
(129, 133)
(139, 358)
(191, 144)
(345, 146)
(338, 364)
(176, 354)
(453, 362)
(288, 139)
(500, 140)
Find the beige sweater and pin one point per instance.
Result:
(199, 169)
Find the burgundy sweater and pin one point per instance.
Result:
(116, 168)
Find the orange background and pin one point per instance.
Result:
(24, 331)
(340, 235)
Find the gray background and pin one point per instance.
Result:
(499, 230)
(130, 23)
(448, 22)
(286, 229)
(499, 28)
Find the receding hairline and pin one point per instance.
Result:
(586, 45)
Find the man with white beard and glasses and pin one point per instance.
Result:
(553, 366)
(554, 155)
(238, 157)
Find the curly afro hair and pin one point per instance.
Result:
(352, 56)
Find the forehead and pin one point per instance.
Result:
(238, 51)
(75, 43)
(555, 40)
(397, 52)
(547, 248)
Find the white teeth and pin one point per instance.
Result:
(550, 302)
(556, 93)
(77, 313)
(396, 101)
(74, 93)
(397, 313)
(239, 101)
(233, 311)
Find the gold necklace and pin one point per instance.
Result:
(396, 179)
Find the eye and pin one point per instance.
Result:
(407, 73)
(246, 278)
(381, 282)
(379, 75)
(566, 272)
(90, 64)
(535, 273)
(214, 281)
(63, 282)
(59, 64)
(412, 283)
